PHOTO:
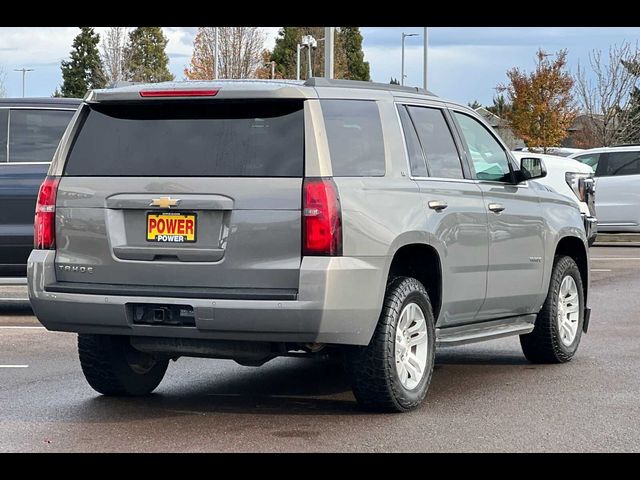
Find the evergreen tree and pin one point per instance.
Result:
(475, 104)
(83, 71)
(500, 106)
(145, 56)
(394, 81)
(357, 68)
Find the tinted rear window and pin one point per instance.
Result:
(620, 163)
(354, 132)
(221, 139)
(34, 134)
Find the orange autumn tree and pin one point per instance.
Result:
(543, 107)
(202, 60)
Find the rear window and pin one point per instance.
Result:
(34, 134)
(221, 139)
(354, 132)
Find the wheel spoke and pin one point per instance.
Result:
(417, 325)
(403, 373)
(417, 339)
(413, 367)
(571, 308)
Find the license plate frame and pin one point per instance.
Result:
(163, 215)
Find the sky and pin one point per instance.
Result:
(465, 63)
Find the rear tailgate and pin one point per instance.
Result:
(190, 198)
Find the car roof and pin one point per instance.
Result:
(40, 102)
(255, 88)
(619, 148)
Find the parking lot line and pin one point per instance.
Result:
(600, 269)
(22, 326)
(14, 366)
(615, 258)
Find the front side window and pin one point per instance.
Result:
(489, 159)
(589, 159)
(34, 134)
(620, 163)
(437, 142)
(354, 133)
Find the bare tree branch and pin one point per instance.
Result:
(113, 48)
(605, 95)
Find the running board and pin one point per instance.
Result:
(478, 332)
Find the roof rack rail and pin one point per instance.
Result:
(325, 82)
(626, 145)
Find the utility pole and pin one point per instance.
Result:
(328, 51)
(425, 53)
(273, 69)
(404, 35)
(215, 60)
(24, 72)
(298, 63)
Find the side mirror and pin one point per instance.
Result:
(531, 168)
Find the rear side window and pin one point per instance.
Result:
(416, 157)
(4, 118)
(34, 134)
(619, 163)
(354, 133)
(435, 137)
(184, 139)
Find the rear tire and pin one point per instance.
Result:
(113, 367)
(557, 331)
(393, 372)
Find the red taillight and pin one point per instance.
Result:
(44, 225)
(322, 218)
(179, 93)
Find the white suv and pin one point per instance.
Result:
(617, 171)
(573, 179)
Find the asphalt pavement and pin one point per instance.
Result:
(483, 397)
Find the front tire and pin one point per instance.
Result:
(558, 328)
(393, 372)
(113, 367)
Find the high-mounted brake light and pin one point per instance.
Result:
(179, 93)
(44, 228)
(322, 218)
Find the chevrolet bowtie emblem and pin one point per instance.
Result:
(164, 202)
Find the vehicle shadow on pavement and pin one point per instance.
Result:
(9, 307)
(298, 387)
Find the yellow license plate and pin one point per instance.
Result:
(171, 227)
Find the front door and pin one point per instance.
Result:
(516, 226)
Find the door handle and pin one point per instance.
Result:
(437, 205)
(496, 207)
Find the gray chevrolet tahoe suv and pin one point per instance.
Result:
(255, 219)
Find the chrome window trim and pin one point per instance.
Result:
(39, 108)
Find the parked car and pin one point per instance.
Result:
(573, 179)
(30, 130)
(557, 151)
(254, 219)
(617, 172)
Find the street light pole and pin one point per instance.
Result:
(405, 35)
(328, 52)
(298, 63)
(24, 71)
(425, 53)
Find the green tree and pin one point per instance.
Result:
(357, 68)
(633, 136)
(394, 81)
(83, 71)
(145, 57)
(284, 51)
(475, 104)
(500, 106)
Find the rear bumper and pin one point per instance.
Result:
(591, 228)
(339, 302)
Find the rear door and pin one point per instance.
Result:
(454, 210)
(28, 139)
(516, 225)
(618, 190)
(184, 197)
